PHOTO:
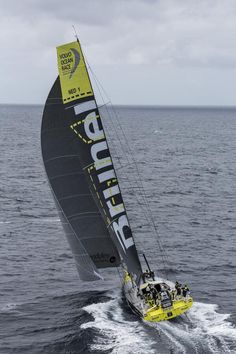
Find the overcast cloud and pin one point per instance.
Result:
(143, 51)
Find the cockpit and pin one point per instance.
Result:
(156, 294)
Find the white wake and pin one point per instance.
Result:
(203, 330)
(115, 333)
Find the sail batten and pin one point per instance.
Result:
(84, 213)
(60, 157)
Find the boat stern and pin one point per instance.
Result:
(157, 314)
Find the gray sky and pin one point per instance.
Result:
(160, 52)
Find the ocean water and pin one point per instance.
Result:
(185, 160)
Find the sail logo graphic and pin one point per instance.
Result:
(69, 62)
(105, 174)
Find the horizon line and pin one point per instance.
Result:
(139, 105)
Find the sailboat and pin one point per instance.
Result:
(86, 191)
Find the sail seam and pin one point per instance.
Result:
(75, 195)
(66, 175)
(60, 157)
(85, 216)
(87, 212)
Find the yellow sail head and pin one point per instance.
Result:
(73, 73)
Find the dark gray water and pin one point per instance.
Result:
(186, 160)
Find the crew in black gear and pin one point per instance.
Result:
(178, 288)
(154, 294)
(148, 275)
(185, 290)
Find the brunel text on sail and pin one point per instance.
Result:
(117, 212)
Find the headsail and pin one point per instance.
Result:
(81, 172)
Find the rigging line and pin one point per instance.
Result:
(106, 103)
(121, 167)
(127, 157)
(142, 191)
(164, 255)
(143, 196)
(137, 180)
(100, 93)
(76, 35)
(114, 148)
(121, 144)
(148, 221)
(98, 85)
(134, 162)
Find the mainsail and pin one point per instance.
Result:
(81, 173)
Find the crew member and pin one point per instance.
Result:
(173, 292)
(177, 284)
(185, 290)
(157, 287)
(178, 288)
(154, 294)
(148, 275)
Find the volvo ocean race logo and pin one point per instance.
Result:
(69, 62)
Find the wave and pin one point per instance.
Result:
(114, 332)
(9, 307)
(51, 219)
(202, 330)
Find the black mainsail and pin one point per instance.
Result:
(81, 173)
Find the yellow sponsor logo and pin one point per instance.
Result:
(73, 73)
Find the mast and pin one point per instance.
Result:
(150, 271)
